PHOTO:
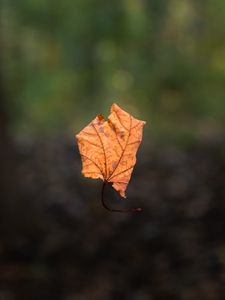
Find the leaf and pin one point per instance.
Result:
(108, 147)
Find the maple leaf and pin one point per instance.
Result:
(108, 147)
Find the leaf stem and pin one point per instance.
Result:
(116, 210)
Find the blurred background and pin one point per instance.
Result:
(62, 63)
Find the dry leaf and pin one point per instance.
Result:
(108, 147)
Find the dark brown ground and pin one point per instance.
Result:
(57, 242)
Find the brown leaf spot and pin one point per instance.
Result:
(101, 118)
(122, 135)
(114, 164)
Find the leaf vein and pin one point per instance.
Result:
(120, 121)
(122, 151)
(93, 163)
(135, 142)
(136, 125)
(121, 172)
(103, 148)
(89, 142)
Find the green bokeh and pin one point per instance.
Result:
(164, 61)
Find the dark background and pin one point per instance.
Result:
(62, 63)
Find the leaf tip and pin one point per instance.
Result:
(114, 107)
(122, 194)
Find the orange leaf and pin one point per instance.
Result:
(108, 147)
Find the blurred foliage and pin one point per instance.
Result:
(65, 61)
